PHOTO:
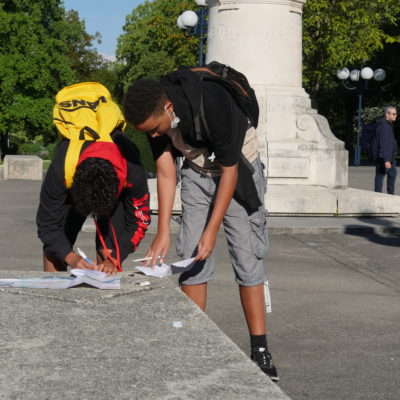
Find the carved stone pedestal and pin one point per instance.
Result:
(263, 39)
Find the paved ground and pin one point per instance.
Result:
(335, 296)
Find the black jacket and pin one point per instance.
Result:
(226, 122)
(386, 142)
(54, 200)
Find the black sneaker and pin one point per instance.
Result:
(262, 357)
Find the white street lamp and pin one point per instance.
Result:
(379, 74)
(180, 24)
(343, 74)
(367, 73)
(195, 23)
(361, 77)
(355, 75)
(189, 19)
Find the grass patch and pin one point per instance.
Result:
(46, 164)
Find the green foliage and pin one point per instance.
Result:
(33, 63)
(152, 44)
(83, 57)
(343, 32)
(42, 49)
(372, 114)
(140, 140)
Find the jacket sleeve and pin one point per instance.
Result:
(385, 142)
(50, 217)
(136, 204)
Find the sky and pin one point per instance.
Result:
(106, 17)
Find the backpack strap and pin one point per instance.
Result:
(71, 160)
(200, 119)
(91, 132)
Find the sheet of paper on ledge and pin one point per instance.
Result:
(163, 270)
(97, 279)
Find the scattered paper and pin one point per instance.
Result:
(164, 270)
(181, 266)
(159, 271)
(97, 279)
(177, 324)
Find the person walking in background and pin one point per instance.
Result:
(385, 151)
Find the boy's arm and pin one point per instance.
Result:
(136, 212)
(166, 188)
(383, 142)
(226, 188)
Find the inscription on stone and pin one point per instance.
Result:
(224, 31)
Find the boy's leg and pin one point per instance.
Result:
(248, 243)
(253, 303)
(196, 195)
(196, 293)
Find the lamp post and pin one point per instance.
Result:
(195, 23)
(360, 79)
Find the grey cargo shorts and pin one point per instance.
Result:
(246, 235)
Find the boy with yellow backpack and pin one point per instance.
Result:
(96, 171)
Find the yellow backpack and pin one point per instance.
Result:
(85, 111)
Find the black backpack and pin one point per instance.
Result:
(236, 84)
(232, 80)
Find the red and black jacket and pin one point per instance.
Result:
(133, 193)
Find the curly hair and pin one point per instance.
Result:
(143, 98)
(95, 187)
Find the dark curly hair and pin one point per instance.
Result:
(95, 187)
(143, 98)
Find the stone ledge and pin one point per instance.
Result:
(78, 344)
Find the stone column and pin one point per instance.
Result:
(263, 39)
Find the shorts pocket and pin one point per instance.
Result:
(258, 235)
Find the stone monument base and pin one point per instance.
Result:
(303, 200)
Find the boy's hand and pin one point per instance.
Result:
(76, 261)
(108, 267)
(105, 264)
(206, 245)
(159, 247)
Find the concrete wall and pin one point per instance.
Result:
(23, 167)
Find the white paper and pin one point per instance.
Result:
(159, 271)
(163, 270)
(181, 266)
(93, 278)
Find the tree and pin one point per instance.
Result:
(152, 44)
(84, 58)
(40, 46)
(343, 32)
(338, 33)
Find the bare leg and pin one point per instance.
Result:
(253, 304)
(196, 293)
(50, 264)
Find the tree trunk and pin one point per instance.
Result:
(3, 145)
